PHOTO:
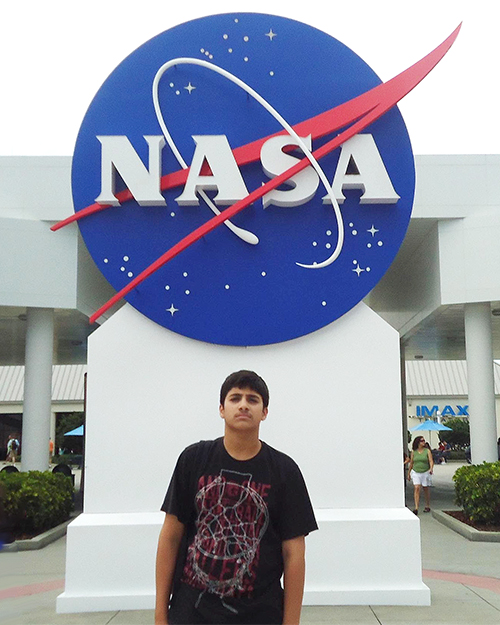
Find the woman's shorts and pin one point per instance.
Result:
(424, 479)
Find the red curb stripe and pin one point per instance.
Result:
(31, 589)
(489, 583)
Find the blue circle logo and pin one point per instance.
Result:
(242, 110)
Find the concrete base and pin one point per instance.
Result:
(365, 557)
(352, 549)
(111, 564)
(335, 398)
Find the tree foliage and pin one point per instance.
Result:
(460, 434)
(67, 421)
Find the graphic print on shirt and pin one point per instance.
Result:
(232, 519)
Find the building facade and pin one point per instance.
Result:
(442, 293)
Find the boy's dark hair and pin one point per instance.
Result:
(245, 379)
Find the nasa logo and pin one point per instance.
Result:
(238, 110)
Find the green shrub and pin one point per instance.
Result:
(36, 501)
(477, 489)
(69, 459)
(457, 454)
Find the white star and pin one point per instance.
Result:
(172, 309)
(358, 270)
(270, 34)
(373, 230)
(190, 88)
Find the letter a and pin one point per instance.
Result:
(371, 176)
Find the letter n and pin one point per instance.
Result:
(119, 156)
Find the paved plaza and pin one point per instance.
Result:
(464, 578)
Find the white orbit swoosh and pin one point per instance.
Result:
(244, 235)
(277, 116)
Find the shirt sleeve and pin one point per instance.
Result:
(297, 518)
(179, 498)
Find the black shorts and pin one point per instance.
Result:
(187, 608)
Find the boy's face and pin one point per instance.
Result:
(243, 409)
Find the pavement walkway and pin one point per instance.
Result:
(464, 578)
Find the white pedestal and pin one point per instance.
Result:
(359, 557)
(335, 408)
(110, 567)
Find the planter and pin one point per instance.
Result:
(465, 530)
(37, 542)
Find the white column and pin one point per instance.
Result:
(37, 389)
(479, 349)
(404, 408)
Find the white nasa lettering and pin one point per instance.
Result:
(118, 155)
(225, 177)
(275, 162)
(372, 177)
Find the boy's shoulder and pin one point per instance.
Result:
(204, 449)
(199, 449)
(280, 457)
(200, 445)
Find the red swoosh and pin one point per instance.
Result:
(360, 111)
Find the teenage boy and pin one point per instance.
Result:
(237, 513)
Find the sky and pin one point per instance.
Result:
(57, 53)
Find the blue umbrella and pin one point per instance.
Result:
(76, 432)
(430, 425)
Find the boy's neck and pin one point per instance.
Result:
(241, 446)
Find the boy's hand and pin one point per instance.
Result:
(294, 574)
(168, 547)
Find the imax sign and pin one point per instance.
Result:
(447, 411)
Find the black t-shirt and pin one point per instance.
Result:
(237, 514)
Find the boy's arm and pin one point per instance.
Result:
(294, 574)
(166, 557)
